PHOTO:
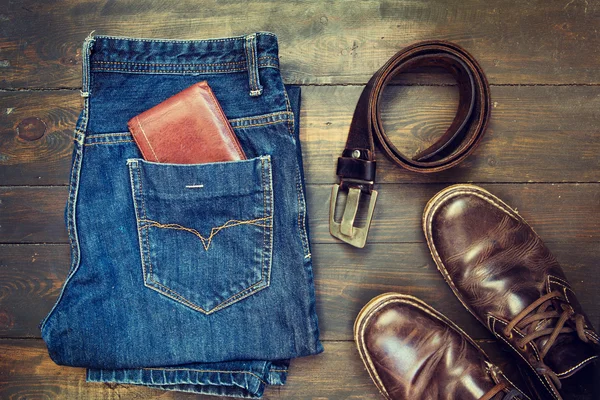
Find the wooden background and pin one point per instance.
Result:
(541, 154)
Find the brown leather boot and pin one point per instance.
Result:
(413, 352)
(505, 276)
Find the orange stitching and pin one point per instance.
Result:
(206, 241)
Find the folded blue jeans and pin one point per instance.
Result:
(192, 277)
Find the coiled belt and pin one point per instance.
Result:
(356, 166)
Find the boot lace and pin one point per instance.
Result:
(512, 394)
(546, 311)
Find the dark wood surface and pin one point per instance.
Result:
(541, 155)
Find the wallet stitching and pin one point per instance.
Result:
(228, 127)
(137, 119)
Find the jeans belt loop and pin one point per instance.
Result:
(256, 88)
(85, 55)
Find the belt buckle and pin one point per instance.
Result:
(345, 230)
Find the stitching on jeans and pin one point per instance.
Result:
(264, 270)
(264, 116)
(205, 371)
(206, 241)
(172, 71)
(168, 64)
(112, 142)
(105, 135)
(141, 195)
(152, 283)
(167, 291)
(261, 124)
(241, 63)
(257, 87)
(177, 70)
(200, 41)
(250, 63)
(299, 192)
(277, 117)
(262, 254)
(137, 220)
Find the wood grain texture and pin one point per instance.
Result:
(541, 154)
(31, 277)
(554, 141)
(27, 372)
(41, 161)
(567, 212)
(321, 42)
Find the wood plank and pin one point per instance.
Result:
(346, 278)
(558, 212)
(536, 134)
(568, 212)
(321, 42)
(33, 214)
(26, 371)
(555, 140)
(25, 157)
(31, 277)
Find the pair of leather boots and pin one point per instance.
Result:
(505, 276)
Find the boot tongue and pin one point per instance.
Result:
(569, 353)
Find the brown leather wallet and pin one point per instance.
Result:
(187, 128)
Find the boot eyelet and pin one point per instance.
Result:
(509, 335)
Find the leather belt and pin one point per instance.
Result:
(356, 166)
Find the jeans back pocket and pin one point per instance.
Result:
(205, 230)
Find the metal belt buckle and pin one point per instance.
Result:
(345, 230)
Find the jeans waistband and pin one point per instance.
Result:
(103, 54)
(121, 54)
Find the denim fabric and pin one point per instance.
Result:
(186, 277)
